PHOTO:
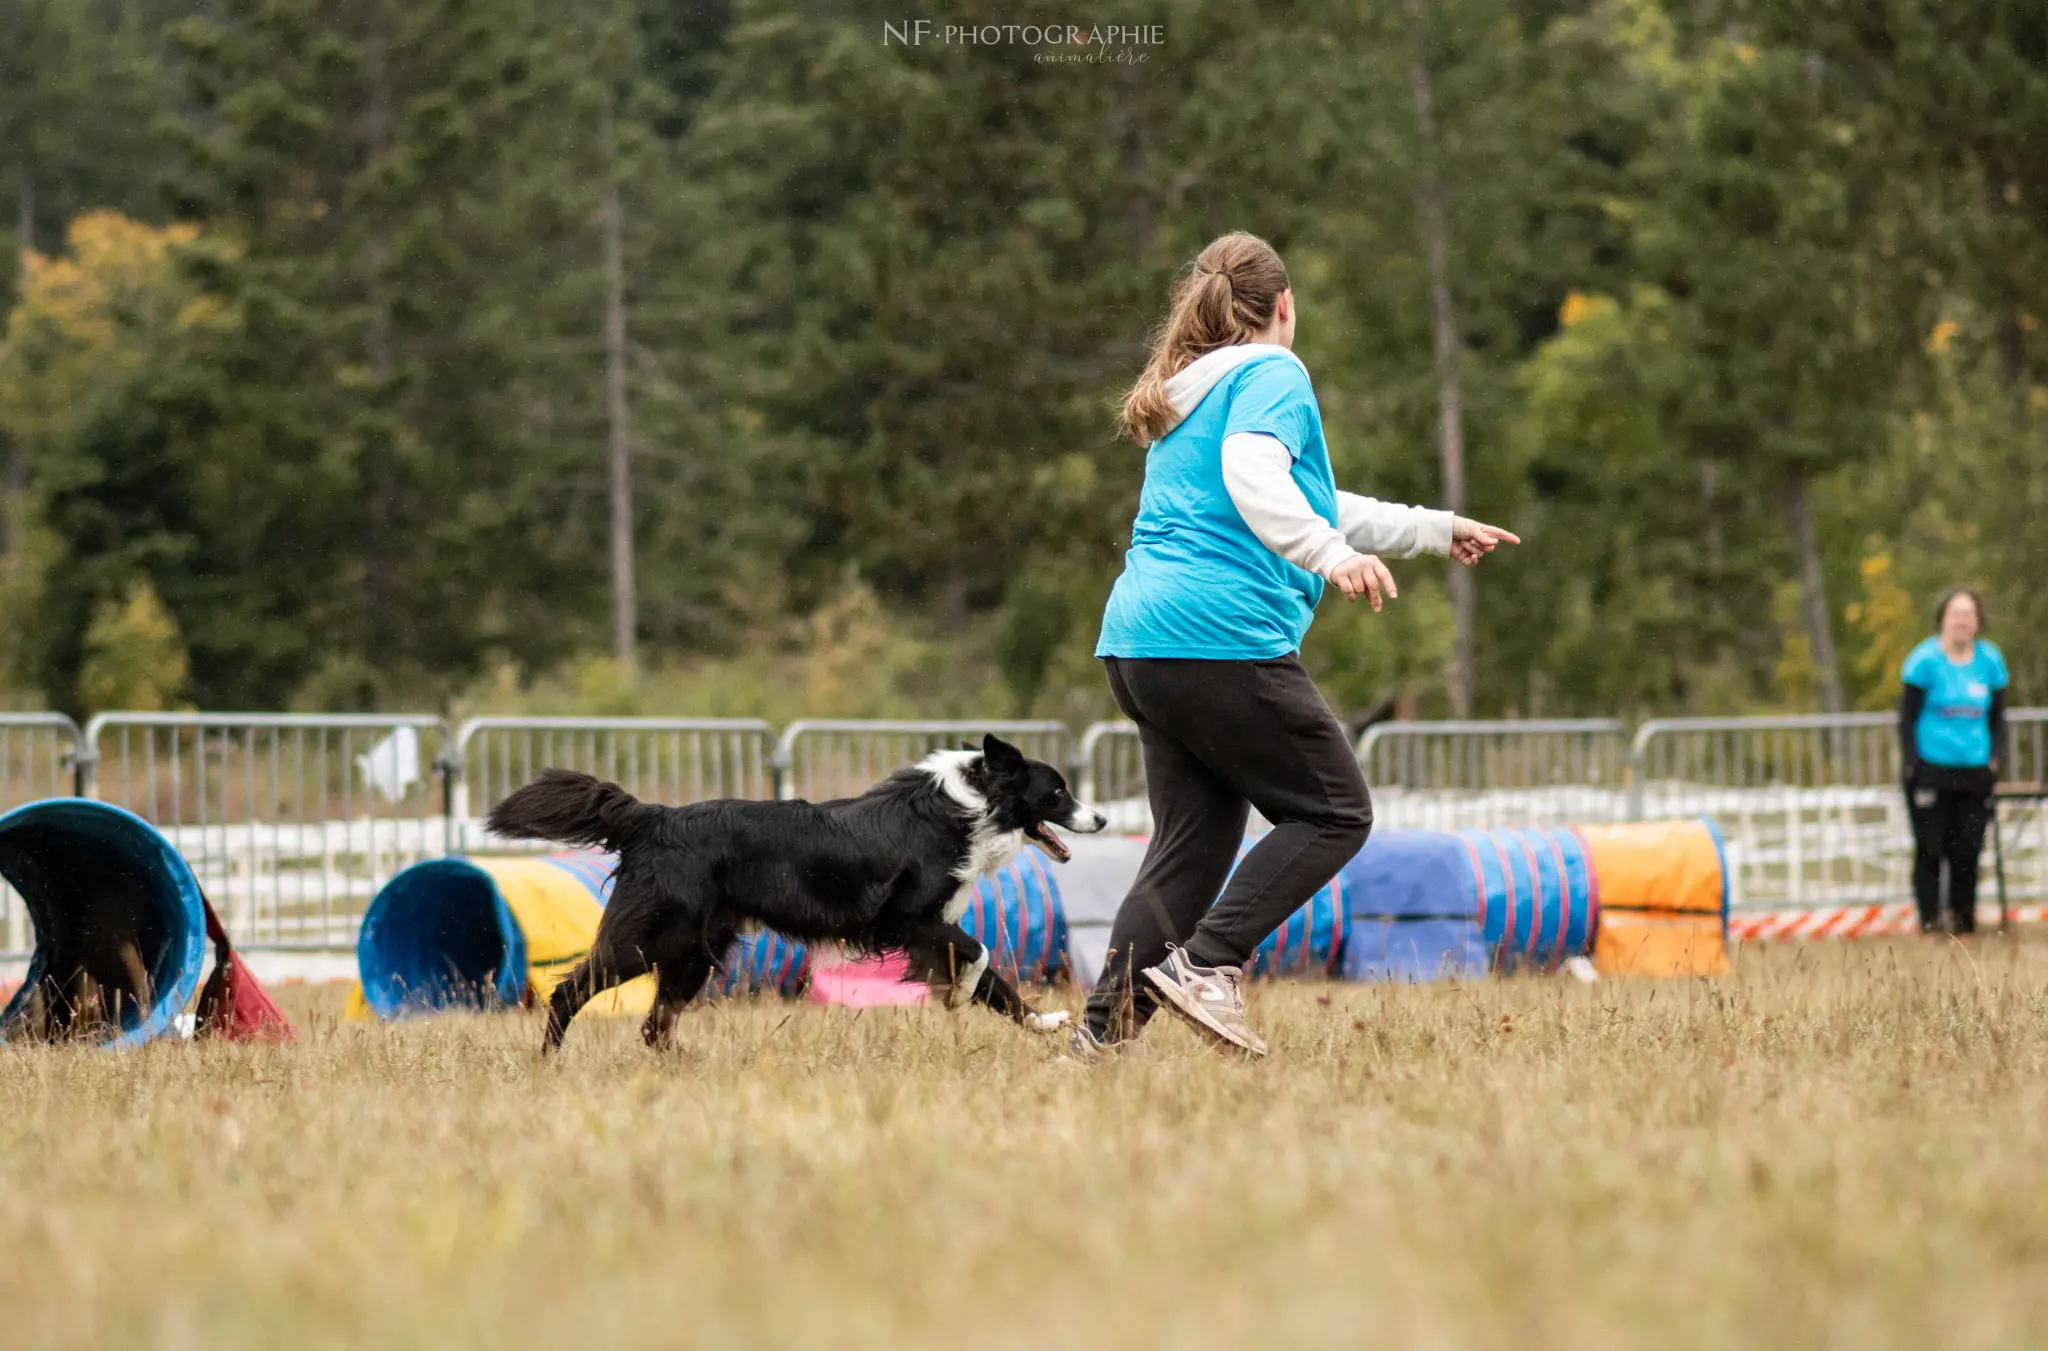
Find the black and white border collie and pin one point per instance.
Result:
(890, 870)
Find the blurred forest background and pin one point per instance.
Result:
(644, 356)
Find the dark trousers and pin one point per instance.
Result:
(1948, 828)
(1217, 736)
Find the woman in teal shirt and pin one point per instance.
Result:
(1951, 737)
(1239, 526)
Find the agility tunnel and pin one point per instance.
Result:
(1645, 899)
(1416, 909)
(1016, 914)
(482, 933)
(1539, 896)
(111, 900)
(1663, 898)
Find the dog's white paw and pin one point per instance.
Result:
(1046, 1022)
(968, 978)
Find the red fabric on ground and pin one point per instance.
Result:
(234, 1003)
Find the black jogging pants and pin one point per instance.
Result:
(1218, 738)
(1950, 810)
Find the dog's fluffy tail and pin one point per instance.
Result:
(571, 808)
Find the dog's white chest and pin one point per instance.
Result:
(987, 852)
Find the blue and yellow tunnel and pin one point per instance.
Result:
(484, 933)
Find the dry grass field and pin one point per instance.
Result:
(1838, 1146)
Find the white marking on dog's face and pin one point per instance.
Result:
(988, 849)
(1046, 1022)
(1084, 819)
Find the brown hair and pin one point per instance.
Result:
(1950, 597)
(1225, 296)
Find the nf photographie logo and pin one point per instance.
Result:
(1092, 44)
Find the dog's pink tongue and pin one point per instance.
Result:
(1051, 844)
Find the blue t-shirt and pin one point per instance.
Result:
(1954, 730)
(1196, 581)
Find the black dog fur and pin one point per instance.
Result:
(892, 869)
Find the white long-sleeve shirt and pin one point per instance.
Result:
(1258, 472)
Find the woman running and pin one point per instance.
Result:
(1239, 526)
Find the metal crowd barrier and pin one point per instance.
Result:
(2026, 746)
(293, 821)
(819, 760)
(1109, 774)
(2024, 824)
(38, 754)
(1487, 775)
(1426, 775)
(1812, 808)
(667, 760)
(290, 821)
(1809, 807)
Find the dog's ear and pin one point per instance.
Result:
(1000, 756)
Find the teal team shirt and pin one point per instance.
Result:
(1954, 730)
(1196, 581)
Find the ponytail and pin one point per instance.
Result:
(1228, 294)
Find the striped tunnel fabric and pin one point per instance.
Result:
(1016, 914)
(594, 870)
(1537, 896)
(1311, 941)
(1415, 909)
(1663, 897)
(762, 963)
(1581, 879)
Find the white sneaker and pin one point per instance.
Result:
(1208, 997)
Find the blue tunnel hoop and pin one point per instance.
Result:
(70, 858)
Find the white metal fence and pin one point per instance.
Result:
(667, 760)
(1109, 774)
(819, 760)
(1486, 775)
(1811, 808)
(37, 760)
(293, 821)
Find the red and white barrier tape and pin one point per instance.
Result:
(1854, 921)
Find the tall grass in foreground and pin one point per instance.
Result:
(1839, 1146)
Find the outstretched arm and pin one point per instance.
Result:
(1257, 471)
(1391, 529)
